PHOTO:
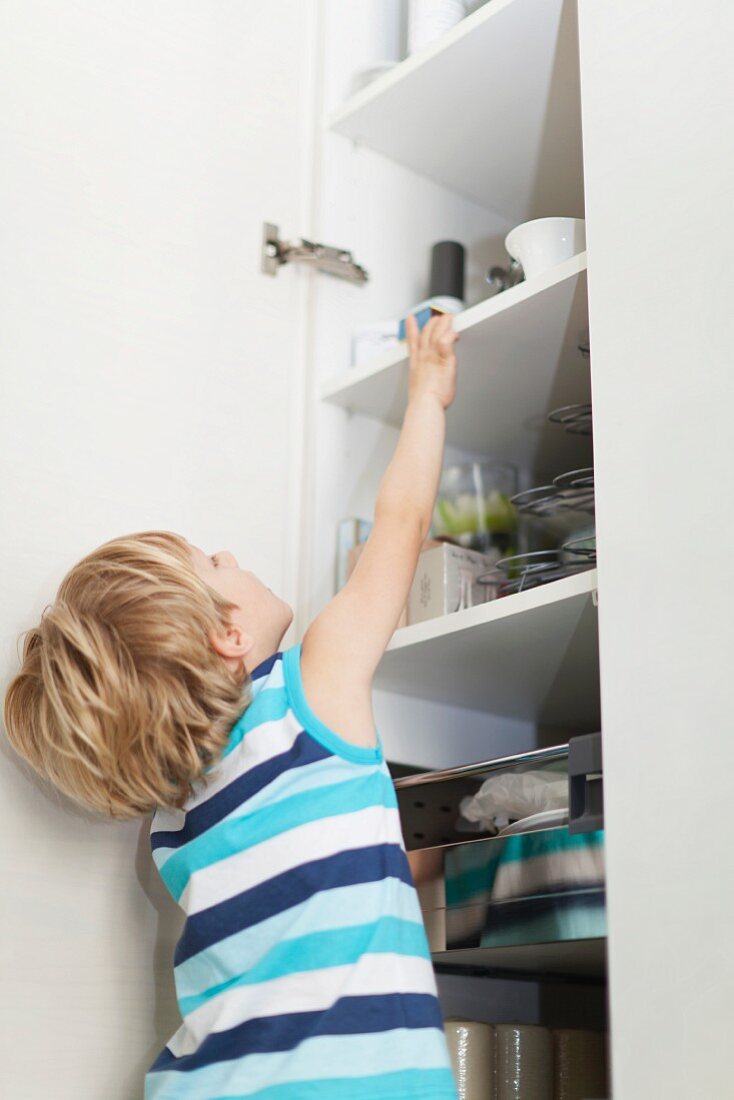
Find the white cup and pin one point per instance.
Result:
(545, 242)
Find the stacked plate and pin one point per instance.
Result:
(574, 419)
(570, 492)
(570, 498)
(524, 571)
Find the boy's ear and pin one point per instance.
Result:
(233, 642)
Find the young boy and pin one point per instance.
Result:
(155, 683)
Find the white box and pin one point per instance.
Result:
(445, 581)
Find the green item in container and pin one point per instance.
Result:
(472, 515)
(501, 515)
(459, 517)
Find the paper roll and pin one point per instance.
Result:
(580, 1064)
(471, 1046)
(524, 1062)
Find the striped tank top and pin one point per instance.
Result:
(303, 969)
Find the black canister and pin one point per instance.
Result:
(447, 270)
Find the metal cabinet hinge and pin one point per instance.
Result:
(333, 261)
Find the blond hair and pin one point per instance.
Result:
(121, 700)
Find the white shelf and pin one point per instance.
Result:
(584, 960)
(491, 110)
(533, 655)
(518, 360)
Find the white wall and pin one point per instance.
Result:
(659, 166)
(146, 374)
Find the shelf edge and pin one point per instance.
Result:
(584, 584)
(403, 70)
(340, 384)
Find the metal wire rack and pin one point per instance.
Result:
(574, 419)
(583, 546)
(569, 492)
(524, 571)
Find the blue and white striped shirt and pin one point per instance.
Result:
(303, 970)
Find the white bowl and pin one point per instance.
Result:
(545, 242)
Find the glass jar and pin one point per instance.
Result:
(473, 507)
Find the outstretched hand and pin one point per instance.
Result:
(432, 358)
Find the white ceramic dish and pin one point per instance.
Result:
(545, 242)
(547, 819)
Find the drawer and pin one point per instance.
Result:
(479, 890)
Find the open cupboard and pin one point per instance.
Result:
(400, 165)
(526, 109)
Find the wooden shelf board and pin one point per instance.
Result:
(518, 360)
(569, 959)
(533, 655)
(491, 110)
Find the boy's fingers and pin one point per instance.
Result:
(411, 333)
(427, 334)
(445, 335)
(445, 326)
(437, 332)
(436, 326)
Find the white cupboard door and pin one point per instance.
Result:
(656, 95)
(150, 379)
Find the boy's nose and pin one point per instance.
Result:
(227, 558)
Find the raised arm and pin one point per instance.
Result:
(343, 646)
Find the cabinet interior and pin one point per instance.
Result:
(457, 145)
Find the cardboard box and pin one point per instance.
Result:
(443, 571)
(445, 581)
